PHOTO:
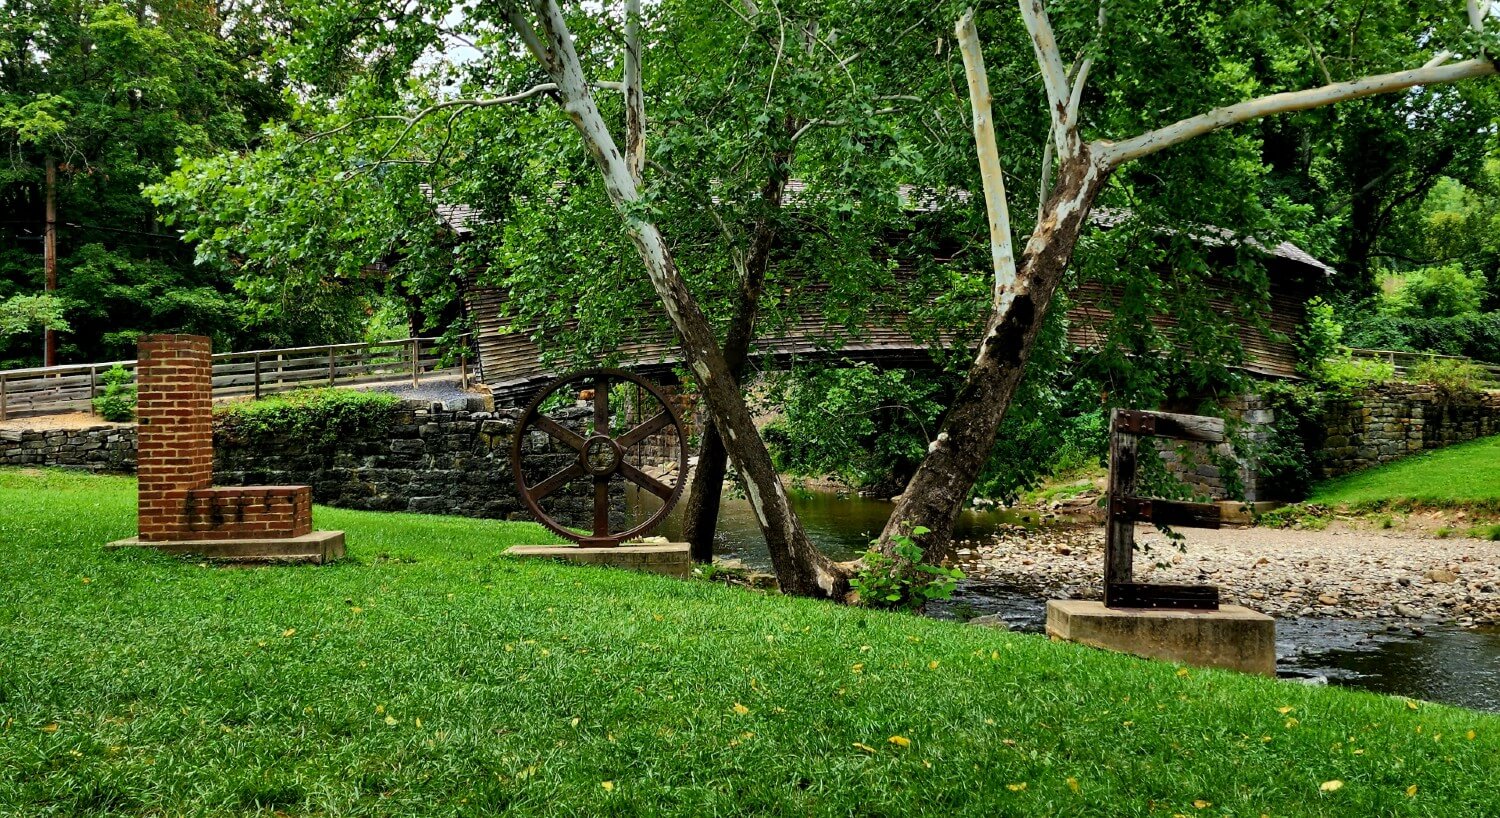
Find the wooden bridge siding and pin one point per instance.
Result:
(511, 363)
(1090, 315)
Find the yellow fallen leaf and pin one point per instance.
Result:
(391, 720)
(741, 710)
(932, 665)
(1201, 804)
(1285, 710)
(1411, 791)
(379, 708)
(900, 741)
(1290, 723)
(356, 609)
(1471, 735)
(865, 747)
(289, 633)
(50, 728)
(1411, 705)
(576, 720)
(1182, 671)
(419, 722)
(1331, 786)
(859, 667)
(1016, 787)
(1073, 784)
(86, 580)
(609, 786)
(657, 617)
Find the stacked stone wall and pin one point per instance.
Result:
(102, 448)
(1389, 422)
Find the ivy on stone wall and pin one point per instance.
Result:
(314, 417)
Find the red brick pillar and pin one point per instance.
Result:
(174, 410)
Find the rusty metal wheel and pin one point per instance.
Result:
(597, 454)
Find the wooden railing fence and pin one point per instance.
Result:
(72, 388)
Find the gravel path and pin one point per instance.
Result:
(1355, 574)
(439, 389)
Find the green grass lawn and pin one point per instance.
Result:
(1465, 474)
(428, 675)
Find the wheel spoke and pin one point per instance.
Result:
(645, 481)
(563, 434)
(601, 406)
(556, 481)
(601, 506)
(647, 428)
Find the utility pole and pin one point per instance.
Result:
(49, 356)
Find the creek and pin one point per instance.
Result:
(1449, 665)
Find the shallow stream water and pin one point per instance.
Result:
(1447, 665)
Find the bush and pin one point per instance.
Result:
(1348, 372)
(317, 417)
(1444, 291)
(1476, 335)
(901, 580)
(1450, 373)
(117, 404)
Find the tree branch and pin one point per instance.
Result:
(635, 103)
(1115, 153)
(1002, 253)
(1054, 77)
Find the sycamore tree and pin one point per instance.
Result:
(1081, 163)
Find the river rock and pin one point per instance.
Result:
(1440, 575)
(1328, 599)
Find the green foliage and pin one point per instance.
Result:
(315, 417)
(1320, 338)
(901, 580)
(1475, 335)
(1438, 292)
(868, 426)
(1306, 516)
(114, 91)
(1287, 456)
(1346, 372)
(24, 314)
(1453, 374)
(117, 404)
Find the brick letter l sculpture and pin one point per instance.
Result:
(181, 511)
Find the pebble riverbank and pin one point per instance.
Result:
(1409, 582)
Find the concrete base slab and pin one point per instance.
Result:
(670, 559)
(1232, 637)
(318, 547)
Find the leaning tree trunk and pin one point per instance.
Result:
(701, 515)
(800, 568)
(955, 459)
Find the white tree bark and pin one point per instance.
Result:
(635, 101)
(1054, 77)
(1002, 250)
(1116, 153)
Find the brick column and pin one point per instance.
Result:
(174, 410)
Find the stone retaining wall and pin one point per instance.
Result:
(107, 447)
(1392, 421)
(431, 458)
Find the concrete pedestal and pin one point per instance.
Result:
(1232, 637)
(318, 547)
(669, 559)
